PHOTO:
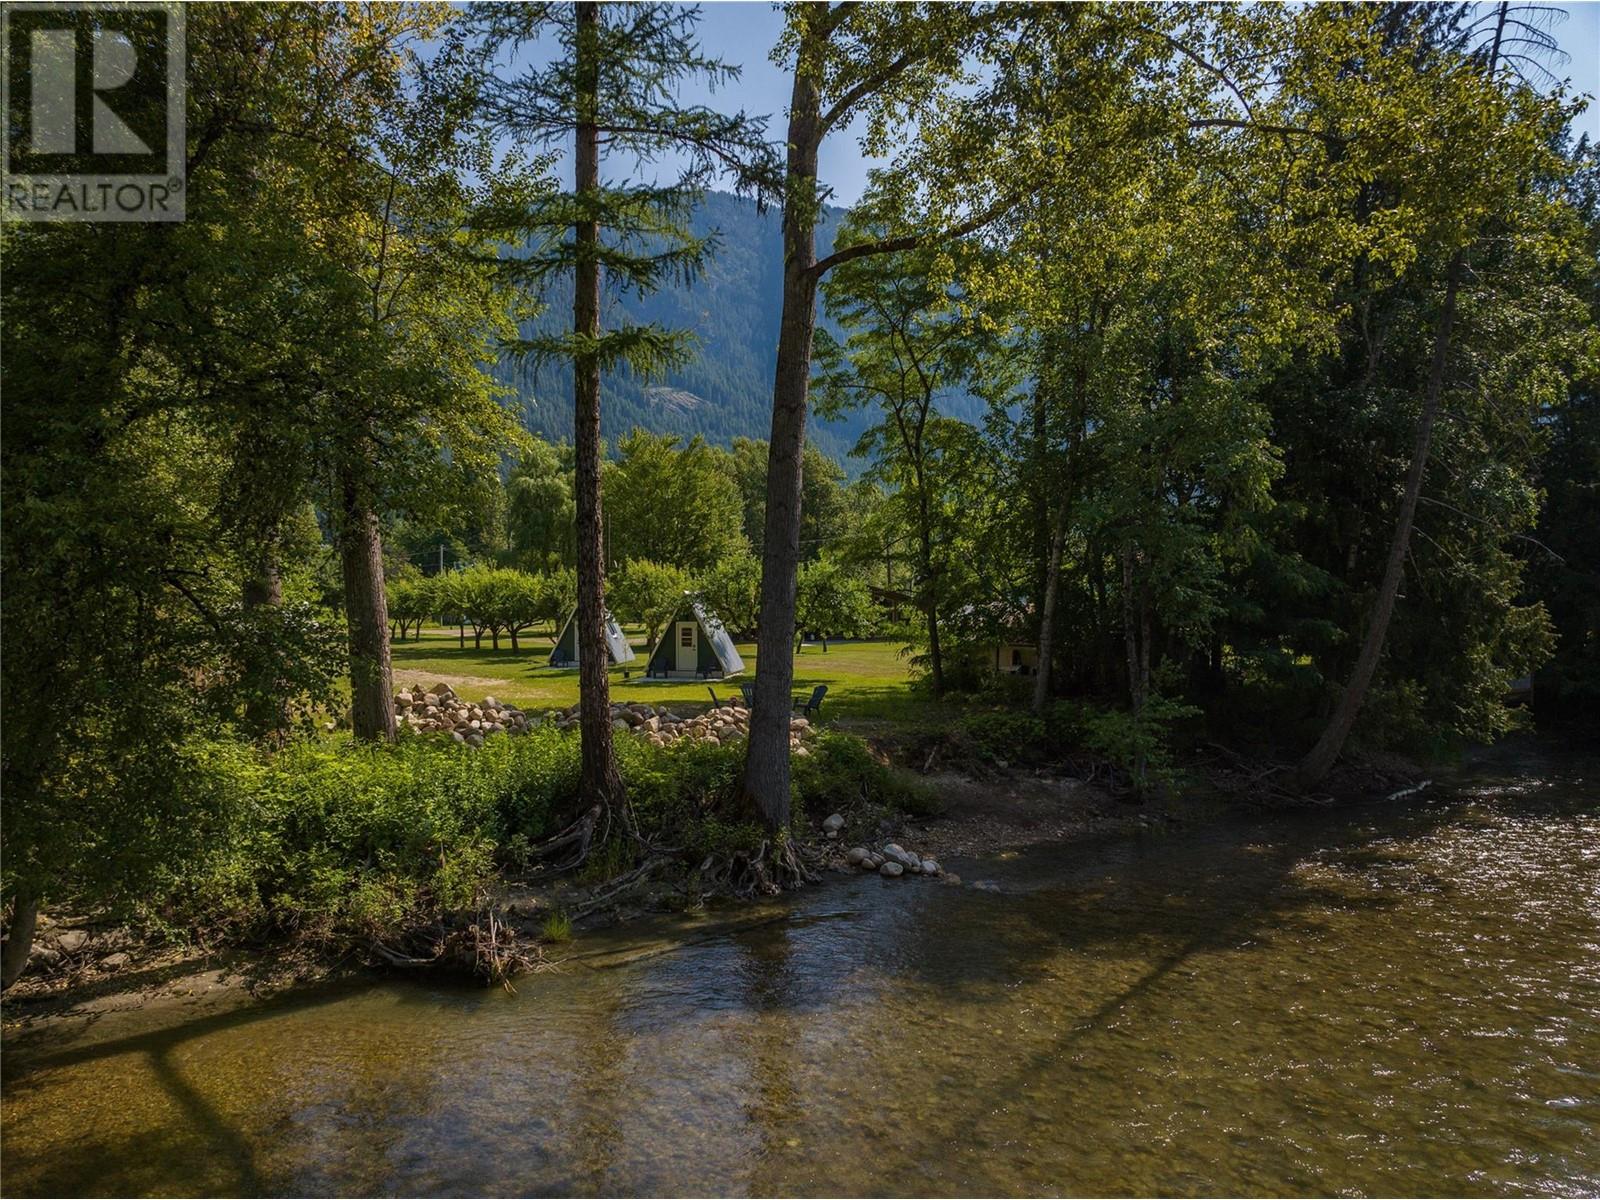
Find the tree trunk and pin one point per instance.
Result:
(367, 617)
(19, 939)
(925, 566)
(1136, 640)
(1041, 504)
(1314, 767)
(600, 783)
(766, 773)
(1130, 633)
(267, 706)
(1047, 610)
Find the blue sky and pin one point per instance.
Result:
(743, 32)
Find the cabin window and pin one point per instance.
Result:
(686, 636)
(1016, 657)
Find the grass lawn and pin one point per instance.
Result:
(866, 681)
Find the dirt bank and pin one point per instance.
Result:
(105, 971)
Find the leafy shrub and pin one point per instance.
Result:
(841, 773)
(1138, 743)
(337, 840)
(336, 837)
(1003, 736)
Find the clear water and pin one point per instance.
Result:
(1381, 1001)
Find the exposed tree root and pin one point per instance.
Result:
(615, 891)
(570, 848)
(769, 869)
(486, 949)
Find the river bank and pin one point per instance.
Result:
(992, 816)
(1369, 999)
(111, 971)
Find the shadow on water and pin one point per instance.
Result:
(1347, 1001)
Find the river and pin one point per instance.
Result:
(1399, 999)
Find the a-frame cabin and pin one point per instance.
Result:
(694, 646)
(566, 652)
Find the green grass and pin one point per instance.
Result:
(867, 681)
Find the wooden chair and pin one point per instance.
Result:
(748, 691)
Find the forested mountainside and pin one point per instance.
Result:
(733, 308)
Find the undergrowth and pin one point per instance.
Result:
(337, 842)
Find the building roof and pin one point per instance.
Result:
(711, 628)
(565, 653)
(721, 643)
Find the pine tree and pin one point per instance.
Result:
(610, 92)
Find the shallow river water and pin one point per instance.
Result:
(1385, 1000)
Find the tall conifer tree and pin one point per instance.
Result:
(611, 93)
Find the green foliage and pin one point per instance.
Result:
(832, 600)
(647, 593)
(336, 840)
(1139, 742)
(1003, 736)
(541, 514)
(823, 512)
(674, 503)
(841, 774)
(733, 590)
(557, 927)
(413, 597)
(496, 600)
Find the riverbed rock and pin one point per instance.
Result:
(835, 822)
(113, 962)
(891, 869)
(929, 867)
(856, 855)
(72, 940)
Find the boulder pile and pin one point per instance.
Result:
(891, 861)
(439, 710)
(660, 726)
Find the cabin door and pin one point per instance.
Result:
(688, 647)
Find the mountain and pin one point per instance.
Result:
(733, 310)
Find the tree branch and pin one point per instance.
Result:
(1330, 139)
(912, 241)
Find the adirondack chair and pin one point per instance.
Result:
(813, 706)
(748, 691)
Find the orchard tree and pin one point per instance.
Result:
(412, 598)
(648, 593)
(832, 600)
